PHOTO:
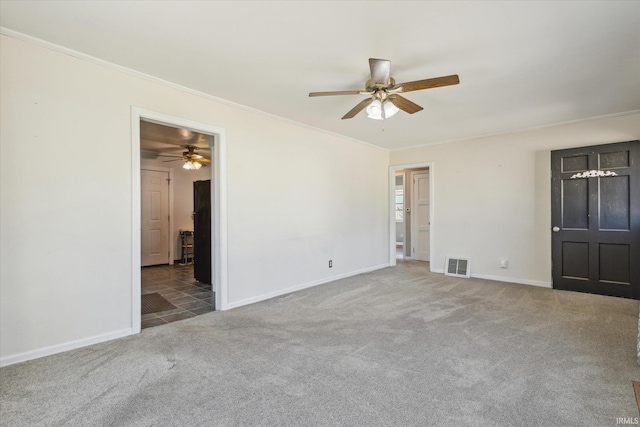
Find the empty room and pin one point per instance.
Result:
(286, 213)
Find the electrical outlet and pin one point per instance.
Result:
(504, 263)
(330, 263)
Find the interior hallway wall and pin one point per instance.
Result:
(492, 195)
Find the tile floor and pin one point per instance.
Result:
(176, 284)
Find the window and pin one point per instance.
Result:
(399, 204)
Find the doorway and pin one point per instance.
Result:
(218, 199)
(595, 214)
(410, 231)
(175, 287)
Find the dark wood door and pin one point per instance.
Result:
(202, 231)
(595, 215)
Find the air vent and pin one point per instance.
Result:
(459, 267)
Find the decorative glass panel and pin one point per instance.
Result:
(399, 204)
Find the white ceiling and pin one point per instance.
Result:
(521, 64)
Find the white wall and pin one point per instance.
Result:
(182, 196)
(399, 232)
(492, 196)
(297, 197)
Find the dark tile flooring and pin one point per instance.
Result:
(177, 285)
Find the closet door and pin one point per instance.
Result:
(202, 231)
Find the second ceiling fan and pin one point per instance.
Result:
(385, 99)
(192, 160)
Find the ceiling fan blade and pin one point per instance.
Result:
(339, 92)
(355, 110)
(404, 104)
(172, 160)
(426, 84)
(148, 154)
(380, 69)
(203, 159)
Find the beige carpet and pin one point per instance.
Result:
(396, 347)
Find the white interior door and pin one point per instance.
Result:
(420, 216)
(154, 189)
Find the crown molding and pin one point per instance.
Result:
(520, 130)
(97, 61)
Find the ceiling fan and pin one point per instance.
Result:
(385, 99)
(192, 160)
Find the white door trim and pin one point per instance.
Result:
(172, 244)
(218, 196)
(392, 218)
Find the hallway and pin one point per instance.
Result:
(177, 285)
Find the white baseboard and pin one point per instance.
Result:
(302, 286)
(503, 279)
(59, 348)
(514, 280)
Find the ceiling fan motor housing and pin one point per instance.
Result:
(375, 87)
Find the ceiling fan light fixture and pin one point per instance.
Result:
(375, 109)
(390, 109)
(192, 165)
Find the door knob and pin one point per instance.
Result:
(555, 229)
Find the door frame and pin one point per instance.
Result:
(169, 172)
(392, 217)
(218, 198)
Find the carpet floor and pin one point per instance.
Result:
(395, 347)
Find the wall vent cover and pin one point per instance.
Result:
(459, 267)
